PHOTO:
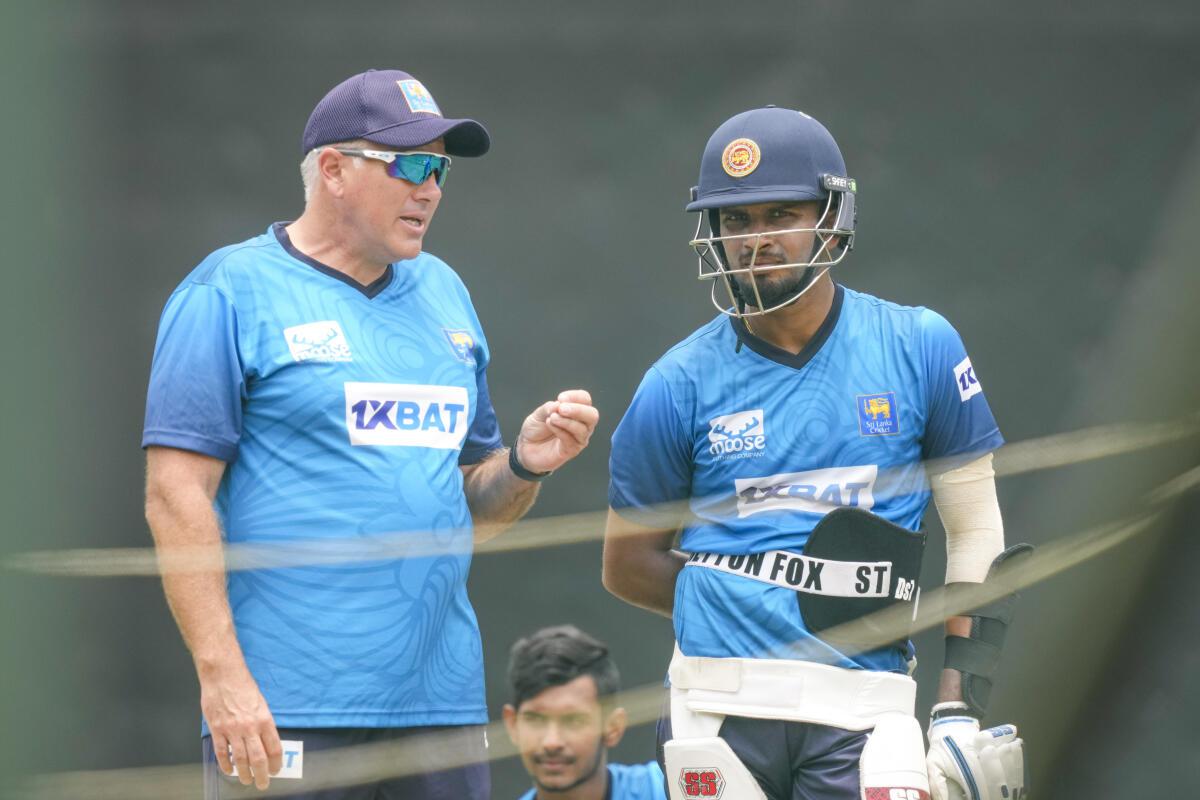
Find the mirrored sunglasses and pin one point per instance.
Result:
(412, 167)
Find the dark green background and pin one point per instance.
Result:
(1029, 169)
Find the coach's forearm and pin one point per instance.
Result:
(183, 523)
(496, 496)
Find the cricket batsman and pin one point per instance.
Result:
(804, 431)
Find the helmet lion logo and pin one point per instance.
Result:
(741, 157)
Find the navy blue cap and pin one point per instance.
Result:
(390, 108)
(766, 155)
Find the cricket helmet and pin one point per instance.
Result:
(770, 155)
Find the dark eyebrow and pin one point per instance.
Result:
(790, 205)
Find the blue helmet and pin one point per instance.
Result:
(771, 155)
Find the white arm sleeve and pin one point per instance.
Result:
(966, 502)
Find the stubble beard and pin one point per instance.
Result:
(776, 289)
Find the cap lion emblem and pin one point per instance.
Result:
(419, 100)
(741, 157)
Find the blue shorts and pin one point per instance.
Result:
(472, 782)
(790, 760)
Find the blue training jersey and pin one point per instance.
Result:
(762, 443)
(342, 410)
(628, 782)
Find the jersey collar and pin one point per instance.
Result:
(370, 290)
(781, 356)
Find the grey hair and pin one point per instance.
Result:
(308, 167)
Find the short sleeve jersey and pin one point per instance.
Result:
(761, 444)
(343, 411)
(628, 782)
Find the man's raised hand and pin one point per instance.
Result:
(557, 431)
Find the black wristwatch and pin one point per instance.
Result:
(520, 471)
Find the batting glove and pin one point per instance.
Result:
(966, 763)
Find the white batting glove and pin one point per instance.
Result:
(966, 763)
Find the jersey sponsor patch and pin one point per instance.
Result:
(968, 384)
(462, 343)
(816, 491)
(318, 341)
(877, 414)
(742, 434)
(418, 97)
(406, 415)
(293, 760)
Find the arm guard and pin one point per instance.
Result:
(977, 656)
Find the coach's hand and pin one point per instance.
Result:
(557, 431)
(240, 721)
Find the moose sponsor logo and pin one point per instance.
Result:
(738, 435)
(317, 341)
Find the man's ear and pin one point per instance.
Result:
(331, 168)
(614, 727)
(510, 722)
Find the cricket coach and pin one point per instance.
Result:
(324, 381)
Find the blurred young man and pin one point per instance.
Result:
(564, 719)
(325, 382)
(795, 427)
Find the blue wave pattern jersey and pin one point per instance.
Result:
(342, 411)
(627, 782)
(762, 443)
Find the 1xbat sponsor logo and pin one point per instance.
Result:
(406, 415)
(705, 782)
(964, 376)
(818, 491)
(739, 435)
(293, 760)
